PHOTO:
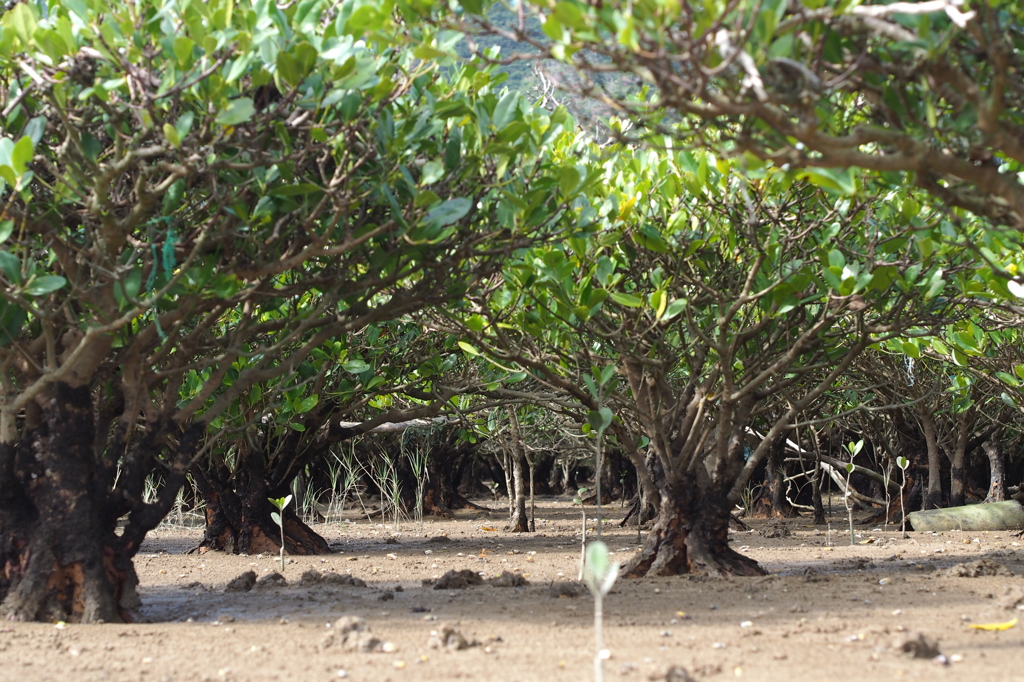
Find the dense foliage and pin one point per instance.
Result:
(235, 234)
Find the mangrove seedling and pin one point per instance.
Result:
(903, 463)
(854, 448)
(600, 574)
(578, 500)
(280, 503)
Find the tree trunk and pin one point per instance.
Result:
(62, 559)
(933, 493)
(238, 519)
(533, 494)
(819, 508)
(771, 502)
(690, 535)
(641, 508)
(519, 520)
(997, 472)
(957, 473)
(441, 494)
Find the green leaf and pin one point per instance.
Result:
(289, 68)
(912, 350)
(184, 124)
(183, 47)
(355, 366)
(239, 67)
(6, 229)
(280, 502)
(307, 404)
(628, 300)
(598, 558)
(171, 133)
(41, 286)
(21, 21)
(35, 129)
(296, 426)
(449, 211)
(11, 266)
(600, 420)
(568, 180)
(505, 110)
(22, 154)
(674, 308)
(569, 15)
(91, 147)
(453, 150)
(599, 571)
(468, 349)
(840, 179)
(12, 319)
(426, 53)
(432, 172)
(238, 111)
(294, 190)
(276, 518)
(1008, 379)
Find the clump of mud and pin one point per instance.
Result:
(456, 580)
(917, 645)
(311, 577)
(448, 638)
(978, 569)
(564, 590)
(242, 583)
(508, 579)
(775, 528)
(351, 633)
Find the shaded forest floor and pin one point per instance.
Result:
(828, 611)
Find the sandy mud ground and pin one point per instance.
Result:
(828, 611)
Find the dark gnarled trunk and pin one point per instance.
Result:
(441, 494)
(690, 535)
(60, 557)
(238, 515)
(772, 501)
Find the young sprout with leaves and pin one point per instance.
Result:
(903, 463)
(280, 503)
(854, 448)
(600, 574)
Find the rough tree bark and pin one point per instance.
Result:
(997, 472)
(690, 535)
(642, 508)
(441, 494)
(772, 501)
(238, 511)
(61, 555)
(933, 493)
(958, 473)
(519, 519)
